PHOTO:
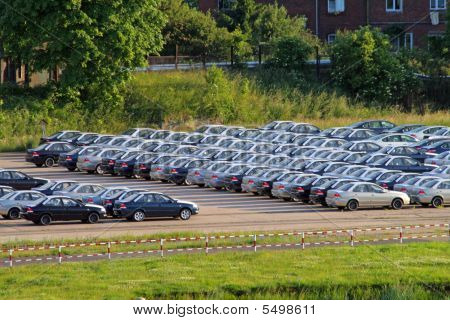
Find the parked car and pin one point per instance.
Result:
(379, 126)
(389, 182)
(441, 159)
(85, 139)
(138, 132)
(355, 195)
(212, 129)
(278, 125)
(54, 185)
(109, 201)
(150, 204)
(351, 134)
(19, 180)
(79, 190)
(92, 162)
(442, 171)
(319, 193)
(12, 202)
(405, 164)
(5, 190)
(233, 181)
(125, 165)
(59, 136)
(304, 128)
(404, 128)
(197, 176)
(300, 191)
(282, 189)
(437, 148)
(47, 154)
(407, 151)
(436, 195)
(394, 139)
(424, 132)
(143, 169)
(57, 208)
(362, 146)
(100, 196)
(69, 159)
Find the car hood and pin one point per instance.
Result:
(186, 202)
(95, 206)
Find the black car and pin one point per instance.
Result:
(138, 207)
(57, 208)
(389, 182)
(233, 182)
(143, 169)
(178, 174)
(57, 185)
(125, 166)
(108, 202)
(69, 159)
(19, 180)
(60, 136)
(301, 191)
(48, 154)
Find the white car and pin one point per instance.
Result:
(424, 132)
(394, 139)
(441, 159)
(363, 194)
(11, 203)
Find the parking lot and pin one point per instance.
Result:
(220, 211)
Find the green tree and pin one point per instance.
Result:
(365, 66)
(194, 31)
(240, 16)
(290, 52)
(96, 43)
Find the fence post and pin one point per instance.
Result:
(232, 55)
(351, 238)
(161, 249)
(317, 63)
(10, 257)
(206, 244)
(109, 250)
(176, 57)
(259, 54)
(254, 242)
(59, 254)
(303, 240)
(401, 235)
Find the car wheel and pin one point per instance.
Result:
(14, 214)
(136, 176)
(45, 220)
(437, 202)
(49, 162)
(187, 182)
(397, 204)
(39, 165)
(93, 217)
(352, 205)
(138, 216)
(185, 214)
(98, 169)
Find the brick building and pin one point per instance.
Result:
(416, 20)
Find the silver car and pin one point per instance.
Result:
(100, 196)
(11, 203)
(436, 193)
(442, 159)
(362, 194)
(78, 191)
(442, 171)
(92, 162)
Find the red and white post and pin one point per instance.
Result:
(11, 257)
(206, 244)
(352, 240)
(401, 235)
(59, 254)
(254, 242)
(303, 240)
(161, 247)
(109, 250)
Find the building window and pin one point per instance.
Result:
(331, 37)
(438, 4)
(394, 5)
(408, 42)
(336, 6)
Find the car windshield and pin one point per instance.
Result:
(103, 140)
(7, 196)
(411, 181)
(431, 184)
(346, 187)
(47, 185)
(72, 187)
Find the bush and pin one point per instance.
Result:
(364, 65)
(290, 52)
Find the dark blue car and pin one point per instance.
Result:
(405, 164)
(437, 147)
(149, 204)
(378, 126)
(406, 151)
(125, 167)
(47, 154)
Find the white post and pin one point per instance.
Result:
(109, 250)
(254, 242)
(59, 255)
(206, 244)
(10, 258)
(351, 238)
(401, 235)
(161, 247)
(303, 240)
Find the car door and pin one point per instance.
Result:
(149, 205)
(379, 196)
(73, 210)
(167, 207)
(444, 189)
(364, 198)
(55, 209)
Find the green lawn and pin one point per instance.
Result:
(409, 271)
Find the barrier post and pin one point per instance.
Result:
(401, 235)
(109, 250)
(161, 249)
(351, 238)
(10, 257)
(59, 254)
(303, 240)
(254, 242)
(206, 244)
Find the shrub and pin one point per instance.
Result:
(290, 52)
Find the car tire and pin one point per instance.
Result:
(13, 214)
(93, 218)
(185, 214)
(98, 169)
(187, 182)
(352, 205)
(138, 216)
(45, 220)
(397, 204)
(437, 202)
(49, 162)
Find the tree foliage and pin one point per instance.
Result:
(290, 52)
(95, 43)
(365, 66)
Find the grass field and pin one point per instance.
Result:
(409, 271)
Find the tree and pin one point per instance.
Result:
(239, 16)
(364, 65)
(290, 52)
(196, 32)
(95, 43)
